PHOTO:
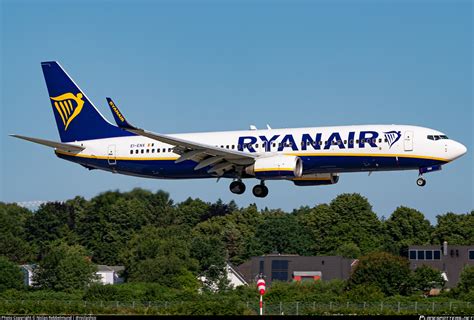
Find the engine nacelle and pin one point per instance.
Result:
(276, 167)
(317, 179)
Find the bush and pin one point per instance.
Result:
(11, 276)
(426, 278)
(364, 293)
(388, 272)
(466, 281)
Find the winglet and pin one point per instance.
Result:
(118, 116)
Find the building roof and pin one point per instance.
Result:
(236, 273)
(104, 268)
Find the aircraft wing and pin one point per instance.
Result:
(220, 160)
(53, 144)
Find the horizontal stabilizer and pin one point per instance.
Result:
(52, 144)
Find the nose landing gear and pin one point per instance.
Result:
(421, 182)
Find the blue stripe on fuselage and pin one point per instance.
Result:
(168, 169)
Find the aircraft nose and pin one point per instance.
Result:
(458, 149)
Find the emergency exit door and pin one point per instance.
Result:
(111, 157)
(408, 141)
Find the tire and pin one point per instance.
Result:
(237, 187)
(260, 191)
(420, 182)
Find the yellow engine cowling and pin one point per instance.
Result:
(317, 179)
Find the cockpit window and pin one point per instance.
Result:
(437, 137)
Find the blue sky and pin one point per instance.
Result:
(185, 66)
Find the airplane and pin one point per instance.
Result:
(305, 156)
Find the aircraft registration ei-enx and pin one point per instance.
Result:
(304, 156)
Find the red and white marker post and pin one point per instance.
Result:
(261, 289)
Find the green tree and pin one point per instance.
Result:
(454, 228)
(112, 218)
(209, 251)
(388, 272)
(283, 233)
(319, 223)
(52, 221)
(355, 222)
(348, 250)
(13, 236)
(466, 280)
(64, 268)
(11, 276)
(161, 255)
(348, 219)
(192, 211)
(237, 231)
(406, 227)
(425, 278)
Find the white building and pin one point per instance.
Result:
(28, 272)
(109, 274)
(233, 276)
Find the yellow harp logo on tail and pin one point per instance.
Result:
(68, 106)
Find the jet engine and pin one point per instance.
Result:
(276, 167)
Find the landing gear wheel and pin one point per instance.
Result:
(420, 182)
(260, 191)
(237, 187)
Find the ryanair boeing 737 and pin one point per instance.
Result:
(304, 156)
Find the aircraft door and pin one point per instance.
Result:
(408, 141)
(111, 156)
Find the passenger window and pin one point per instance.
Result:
(274, 145)
(169, 149)
(386, 140)
(345, 141)
(256, 145)
(131, 151)
(147, 150)
(136, 151)
(320, 143)
(152, 150)
(164, 149)
(143, 150)
(233, 146)
(158, 150)
(380, 140)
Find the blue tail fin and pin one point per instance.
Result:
(76, 117)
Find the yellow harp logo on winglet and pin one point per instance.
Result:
(68, 106)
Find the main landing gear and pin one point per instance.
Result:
(238, 187)
(260, 190)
